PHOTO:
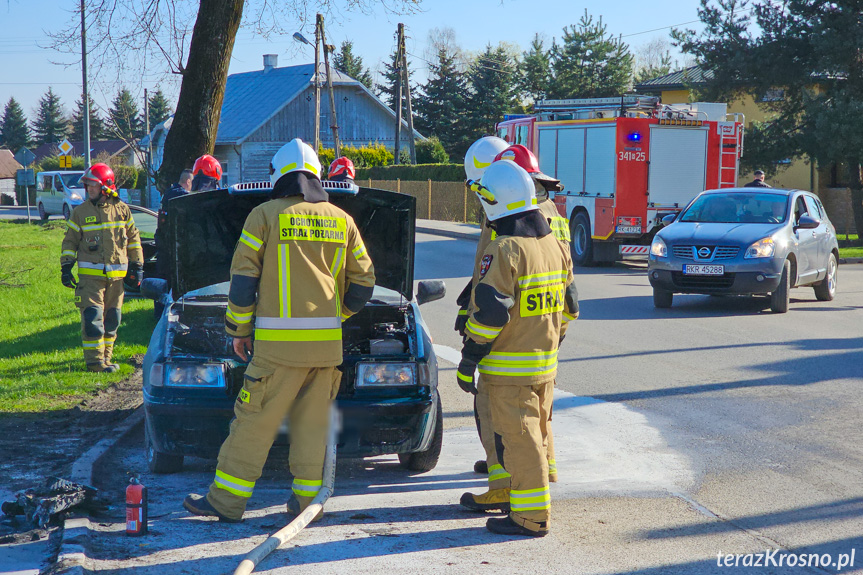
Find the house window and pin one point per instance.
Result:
(773, 95)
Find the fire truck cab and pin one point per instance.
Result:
(627, 162)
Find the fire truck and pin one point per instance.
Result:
(627, 162)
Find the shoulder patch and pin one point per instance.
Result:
(485, 264)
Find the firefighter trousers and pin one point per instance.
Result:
(498, 478)
(270, 393)
(517, 412)
(100, 300)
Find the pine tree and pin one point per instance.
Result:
(51, 124)
(492, 81)
(124, 118)
(441, 105)
(653, 60)
(160, 109)
(387, 89)
(535, 70)
(589, 63)
(97, 126)
(345, 61)
(14, 132)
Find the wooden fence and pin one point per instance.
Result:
(445, 201)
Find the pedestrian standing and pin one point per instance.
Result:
(758, 181)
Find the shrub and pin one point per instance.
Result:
(367, 156)
(52, 163)
(431, 151)
(420, 172)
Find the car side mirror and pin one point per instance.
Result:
(668, 219)
(154, 288)
(807, 223)
(430, 290)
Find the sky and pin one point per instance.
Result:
(28, 67)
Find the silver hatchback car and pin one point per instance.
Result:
(746, 241)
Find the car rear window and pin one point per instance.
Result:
(738, 208)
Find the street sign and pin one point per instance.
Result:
(65, 147)
(26, 177)
(65, 162)
(25, 157)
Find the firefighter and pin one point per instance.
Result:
(518, 314)
(342, 170)
(102, 238)
(206, 174)
(299, 270)
(543, 184)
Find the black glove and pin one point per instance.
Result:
(136, 274)
(461, 322)
(465, 376)
(67, 277)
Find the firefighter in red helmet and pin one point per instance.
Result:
(342, 170)
(102, 238)
(206, 174)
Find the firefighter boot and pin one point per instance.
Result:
(199, 505)
(506, 526)
(492, 500)
(294, 509)
(102, 367)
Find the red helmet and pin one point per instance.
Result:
(103, 175)
(341, 168)
(208, 166)
(525, 158)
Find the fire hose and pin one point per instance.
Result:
(286, 533)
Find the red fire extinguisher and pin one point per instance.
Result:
(136, 508)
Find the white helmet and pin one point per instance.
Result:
(481, 154)
(506, 189)
(295, 156)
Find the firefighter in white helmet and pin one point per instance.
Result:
(518, 314)
(300, 268)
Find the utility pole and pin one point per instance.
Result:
(408, 96)
(149, 148)
(86, 91)
(398, 98)
(318, 24)
(334, 125)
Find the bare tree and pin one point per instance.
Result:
(151, 39)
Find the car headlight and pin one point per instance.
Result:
(374, 374)
(658, 248)
(74, 197)
(763, 248)
(189, 375)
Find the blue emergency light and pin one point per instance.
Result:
(634, 137)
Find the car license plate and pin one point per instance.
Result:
(703, 270)
(629, 229)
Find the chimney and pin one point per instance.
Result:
(270, 61)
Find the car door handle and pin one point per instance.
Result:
(814, 234)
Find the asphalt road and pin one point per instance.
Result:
(17, 213)
(715, 427)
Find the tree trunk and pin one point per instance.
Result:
(856, 196)
(196, 121)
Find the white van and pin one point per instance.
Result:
(58, 192)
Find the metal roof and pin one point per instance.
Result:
(676, 80)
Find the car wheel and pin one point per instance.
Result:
(423, 461)
(157, 461)
(779, 298)
(826, 289)
(42, 213)
(582, 244)
(662, 298)
(66, 212)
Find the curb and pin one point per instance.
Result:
(851, 260)
(72, 555)
(470, 236)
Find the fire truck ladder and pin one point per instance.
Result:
(607, 107)
(731, 147)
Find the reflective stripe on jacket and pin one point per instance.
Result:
(102, 238)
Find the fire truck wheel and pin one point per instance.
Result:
(582, 244)
(662, 298)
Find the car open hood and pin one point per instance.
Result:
(204, 227)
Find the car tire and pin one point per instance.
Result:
(581, 247)
(826, 289)
(157, 461)
(662, 298)
(779, 298)
(66, 212)
(43, 215)
(423, 461)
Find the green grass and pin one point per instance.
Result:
(41, 361)
(852, 237)
(851, 252)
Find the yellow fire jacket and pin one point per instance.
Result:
(521, 305)
(298, 271)
(102, 238)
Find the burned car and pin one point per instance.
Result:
(388, 396)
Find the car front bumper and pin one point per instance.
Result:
(756, 276)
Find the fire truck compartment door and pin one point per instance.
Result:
(678, 162)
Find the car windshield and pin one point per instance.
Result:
(146, 223)
(71, 180)
(738, 208)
